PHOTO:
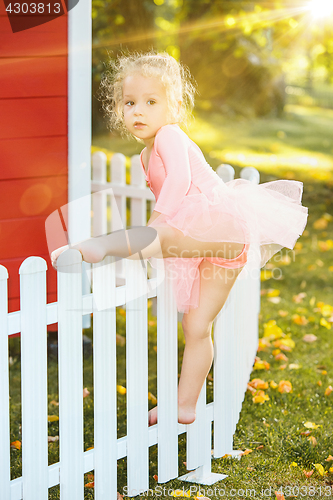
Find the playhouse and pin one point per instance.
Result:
(45, 135)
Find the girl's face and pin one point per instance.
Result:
(145, 106)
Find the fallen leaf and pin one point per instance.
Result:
(246, 452)
(281, 357)
(299, 320)
(250, 468)
(328, 390)
(311, 425)
(305, 433)
(282, 367)
(90, 477)
(272, 330)
(257, 383)
(320, 223)
(273, 384)
(283, 313)
(85, 392)
(152, 398)
(294, 366)
(285, 386)
(16, 445)
(325, 323)
(279, 495)
(319, 383)
(180, 493)
(309, 337)
(90, 485)
(308, 473)
(285, 344)
(299, 297)
(119, 496)
(260, 398)
(51, 439)
(329, 458)
(265, 275)
(274, 300)
(121, 389)
(312, 440)
(120, 340)
(293, 464)
(53, 402)
(260, 447)
(52, 418)
(155, 477)
(320, 469)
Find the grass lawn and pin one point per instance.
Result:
(300, 302)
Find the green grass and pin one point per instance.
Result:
(272, 429)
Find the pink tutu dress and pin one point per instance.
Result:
(193, 199)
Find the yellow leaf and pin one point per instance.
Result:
(271, 329)
(279, 495)
(308, 473)
(319, 383)
(320, 469)
(331, 470)
(90, 485)
(320, 223)
(263, 344)
(283, 343)
(273, 384)
(273, 292)
(293, 464)
(282, 313)
(265, 275)
(294, 366)
(325, 323)
(180, 493)
(52, 418)
(328, 390)
(311, 425)
(324, 372)
(152, 398)
(121, 389)
(260, 398)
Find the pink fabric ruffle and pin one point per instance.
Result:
(267, 217)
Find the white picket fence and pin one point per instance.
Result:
(235, 346)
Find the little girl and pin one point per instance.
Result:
(202, 227)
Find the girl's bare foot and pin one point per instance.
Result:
(185, 416)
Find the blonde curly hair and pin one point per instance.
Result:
(176, 78)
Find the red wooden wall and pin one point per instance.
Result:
(33, 142)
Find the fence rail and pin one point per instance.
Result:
(235, 346)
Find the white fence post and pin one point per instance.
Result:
(167, 381)
(118, 202)
(105, 380)
(136, 379)
(70, 374)
(4, 388)
(99, 198)
(34, 379)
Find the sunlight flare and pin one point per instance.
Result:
(321, 8)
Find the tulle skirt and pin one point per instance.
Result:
(264, 218)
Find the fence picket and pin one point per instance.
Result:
(34, 378)
(167, 382)
(70, 374)
(136, 379)
(4, 388)
(105, 380)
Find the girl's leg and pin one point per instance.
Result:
(215, 285)
(146, 241)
